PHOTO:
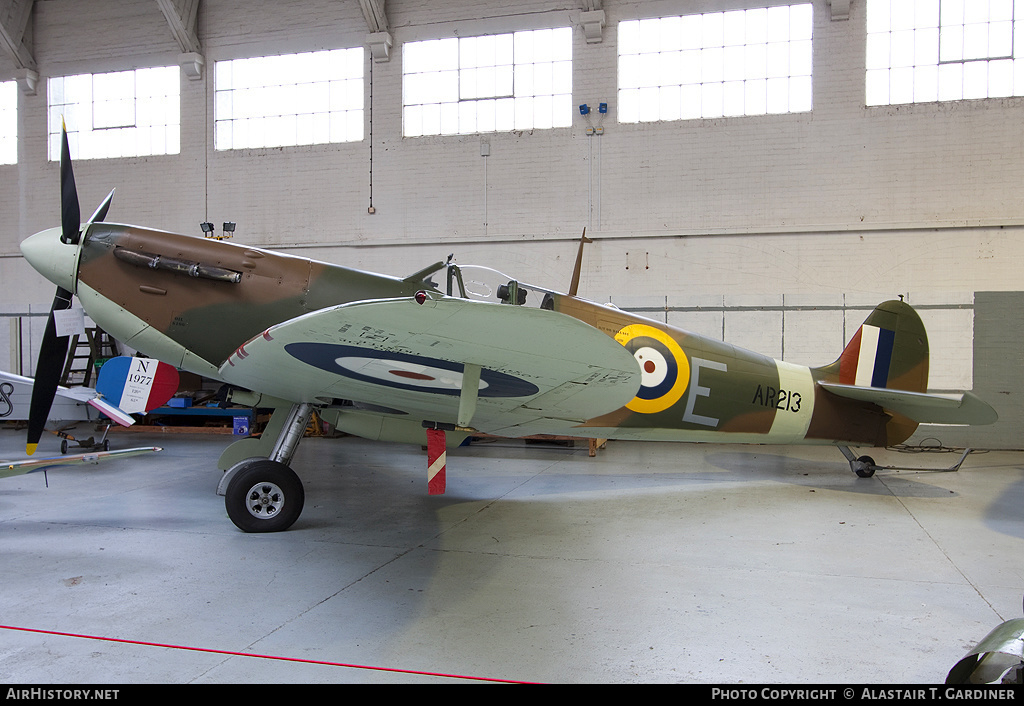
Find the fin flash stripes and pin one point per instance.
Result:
(865, 361)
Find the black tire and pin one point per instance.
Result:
(868, 468)
(63, 446)
(264, 496)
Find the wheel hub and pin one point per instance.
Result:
(265, 500)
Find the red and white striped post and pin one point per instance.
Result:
(436, 459)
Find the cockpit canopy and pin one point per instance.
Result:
(489, 285)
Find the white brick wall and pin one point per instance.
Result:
(841, 201)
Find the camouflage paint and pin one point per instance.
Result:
(212, 318)
(692, 388)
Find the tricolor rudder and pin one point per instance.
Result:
(889, 350)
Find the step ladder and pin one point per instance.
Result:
(83, 355)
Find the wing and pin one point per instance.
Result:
(16, 393)
(922, 407)
(417, 359)
(16, 468)
(81, 394)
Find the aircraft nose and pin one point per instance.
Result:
(54, 260)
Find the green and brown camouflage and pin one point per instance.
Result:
(404, 360)
(205, 305)
(209, 296)
(752, 397)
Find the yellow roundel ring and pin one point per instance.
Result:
(664, 368)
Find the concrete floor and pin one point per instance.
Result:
(650, 563)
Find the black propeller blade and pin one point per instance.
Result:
(53, 351)
(101, 212)
(70, 215)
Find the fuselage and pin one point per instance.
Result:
(193, 302)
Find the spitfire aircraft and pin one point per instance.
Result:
(409, 360)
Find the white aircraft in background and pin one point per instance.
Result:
(125, 386)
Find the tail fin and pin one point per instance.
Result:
(889, 350)
(886, 364)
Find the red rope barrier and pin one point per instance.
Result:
(257, 656)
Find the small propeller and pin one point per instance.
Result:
(53, 350)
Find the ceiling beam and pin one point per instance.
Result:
(593, 20)
(15, 35)
(16, 42)
(376, 17)
(181, 17)
(379, 38)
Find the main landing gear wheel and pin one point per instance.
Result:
(864, 466)
(264, 496)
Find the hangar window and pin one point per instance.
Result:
(8, 122)
(120, 114)
(718, 64)
(924, 51)
(465, 85)
(294, 99)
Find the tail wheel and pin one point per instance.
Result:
(864, 466)
(264, 496)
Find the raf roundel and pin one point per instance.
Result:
(664, 369)
(405, 371)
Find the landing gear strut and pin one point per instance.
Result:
(264, 494)
(89, 444)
